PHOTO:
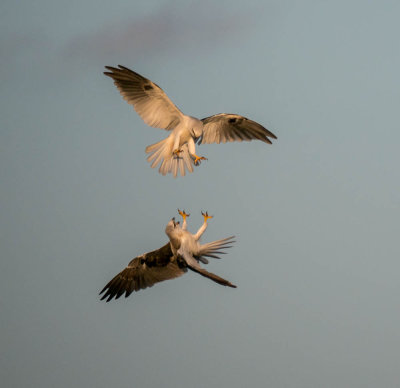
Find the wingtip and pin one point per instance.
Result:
(113, 70)
(103, 297)
(271, 135)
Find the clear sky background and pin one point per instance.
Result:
(316, 214)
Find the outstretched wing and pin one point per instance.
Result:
(148, 99)
(212, 276)
(227, 127)
(144, 271)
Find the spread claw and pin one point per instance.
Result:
(176, 152)
(206, 216)
(198, 159)
(183, 214)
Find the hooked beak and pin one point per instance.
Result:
(196, 138)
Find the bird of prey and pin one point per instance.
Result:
(178, 151)
(187, 245)
(156, 266)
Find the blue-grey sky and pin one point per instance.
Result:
(316, 214)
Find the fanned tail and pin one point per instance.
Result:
(215, 248)
(161, 153)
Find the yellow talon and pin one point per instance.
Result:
(183, 214)
(206, 216)
(197, 159)
(176, 152)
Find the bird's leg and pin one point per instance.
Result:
(198, 159)
(202, 227)
(192, 152)
(184, 215)
(176, 147)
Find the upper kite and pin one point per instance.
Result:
(178, 151)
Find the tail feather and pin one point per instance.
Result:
(182, 167)
(161, 154)
(187, 159)
(175, 168)
(215, 248)
(156, 157)
(151, 148)
(165, 166)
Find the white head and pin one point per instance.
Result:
(172, 227)
(196, 127)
